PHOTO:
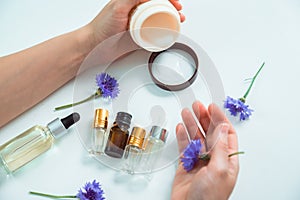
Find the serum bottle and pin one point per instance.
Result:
(118, 135)
(25, 147)
(133, 150)
(99, 134)
(153, 147)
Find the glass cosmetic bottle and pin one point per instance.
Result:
(30, 144)
(118, 135)
(133, 150)
(153, 147)
(99, 135)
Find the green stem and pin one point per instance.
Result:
(236, 153)
(206, 156)
(53, 196)
(97, 94)
(253, 79)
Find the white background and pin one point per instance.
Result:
(237, 35)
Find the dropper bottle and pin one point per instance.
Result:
(33, 142)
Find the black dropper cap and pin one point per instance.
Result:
(70, 120)
(59, 127)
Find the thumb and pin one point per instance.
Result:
(219, 154)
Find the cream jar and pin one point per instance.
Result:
(155, 25)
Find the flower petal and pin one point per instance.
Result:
(191, 155)
(237, 107)
(108, 85)
(91, 191)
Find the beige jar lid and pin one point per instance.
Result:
(155, 25)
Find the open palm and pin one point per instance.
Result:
(213, 179)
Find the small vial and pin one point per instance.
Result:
(133, 150)
(153, 147)
(118, 135)
(99, 135)
(25, 147)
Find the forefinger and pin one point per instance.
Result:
(182, 137)
(176, 4)
(178, 7)
(218, 117)
(191, 125)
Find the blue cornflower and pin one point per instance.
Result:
(191, 155)
(237, 106)
(91, 191)
(108, 87)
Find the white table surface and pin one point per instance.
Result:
(237, 35)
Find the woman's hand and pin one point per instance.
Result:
(106, 34)
(213, 179)
(113, 19)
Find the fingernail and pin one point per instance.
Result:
(224, 133)
(224, 128)
(185, 110)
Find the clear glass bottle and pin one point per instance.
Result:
(153, 147)
(99, 135)
(118, 135)
(133, 150)
(25, 147)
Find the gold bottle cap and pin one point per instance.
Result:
(137, 137)
(101, 118)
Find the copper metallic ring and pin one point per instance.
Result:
(183, 85)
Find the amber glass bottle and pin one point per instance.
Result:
(118, 135)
